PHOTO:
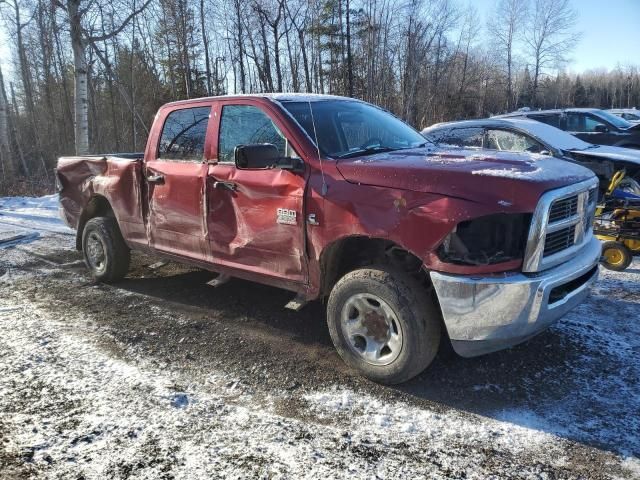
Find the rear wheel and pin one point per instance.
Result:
(383, 324)
(105, 253)
(615, 256)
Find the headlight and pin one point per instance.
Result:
(487, 240)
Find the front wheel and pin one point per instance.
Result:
(105, 253)
(616, 256)
(383, 324)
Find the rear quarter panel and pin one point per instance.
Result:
(118, 180)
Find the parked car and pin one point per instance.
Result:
(517, 134)
(588, 124)
(631, 115)
(335, 198)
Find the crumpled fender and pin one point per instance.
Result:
(116, 179)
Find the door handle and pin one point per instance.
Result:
(228, 185)
(155, 178)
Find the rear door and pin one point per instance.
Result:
(175, 173)
(510, 141)
(255, 217)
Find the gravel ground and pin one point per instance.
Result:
(162, 376)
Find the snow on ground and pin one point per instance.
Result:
(70, 406)
(86, 412)
(23, 219)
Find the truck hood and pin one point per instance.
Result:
(507, 179)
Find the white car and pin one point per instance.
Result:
(525, 135)
(631, 115)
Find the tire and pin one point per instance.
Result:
(404, 317)
(106, 255)
(615, 256)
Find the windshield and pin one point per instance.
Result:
(612, 119)
(347, 128)
(552, 136)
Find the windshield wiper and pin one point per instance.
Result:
(367, 151)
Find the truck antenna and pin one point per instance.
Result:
(325, 187)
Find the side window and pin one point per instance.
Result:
(184, 133)
(245, 125)
(579, 122)
(463, 137)
(552, 119)
(511, 141)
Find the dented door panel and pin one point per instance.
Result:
(244, 227)
(176, 207)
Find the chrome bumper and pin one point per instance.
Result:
(485, 314)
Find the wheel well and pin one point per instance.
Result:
(98, 206)
(350, 253)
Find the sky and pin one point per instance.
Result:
(610, 34)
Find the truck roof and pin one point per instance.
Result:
(552, 110)
(278, 97)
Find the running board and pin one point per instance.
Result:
(221, 279)
(297, 303)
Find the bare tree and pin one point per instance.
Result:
(80, 40)
(549, 37)
(504, 27)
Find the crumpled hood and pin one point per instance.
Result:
(489, 177)
(612, 153)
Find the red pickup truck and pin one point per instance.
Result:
(334, 198)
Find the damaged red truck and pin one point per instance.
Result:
(334, 198)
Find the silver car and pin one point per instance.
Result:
(631, 115)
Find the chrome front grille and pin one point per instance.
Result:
(564, 208)
(561, 225)
(559, 240)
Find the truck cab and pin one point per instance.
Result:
(333, 198)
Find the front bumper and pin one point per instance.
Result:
(485, 314)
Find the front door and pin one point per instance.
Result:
(175, 182)
(589, 128)
(256, 218)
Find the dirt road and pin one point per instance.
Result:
(162, 376)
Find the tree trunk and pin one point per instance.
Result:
(205, 44)
(16, 134)
(25, 75)
(305, 60)
(80, 97)
(243, 79)
(349, 63)
(8, 167)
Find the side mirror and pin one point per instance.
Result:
(255, 156)
(262, 156)
(601, 128)
(545, 152)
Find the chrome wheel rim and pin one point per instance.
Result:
(371, 328)
(96, 255)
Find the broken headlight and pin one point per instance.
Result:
(487, 240)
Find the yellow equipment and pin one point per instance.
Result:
(617, 224)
